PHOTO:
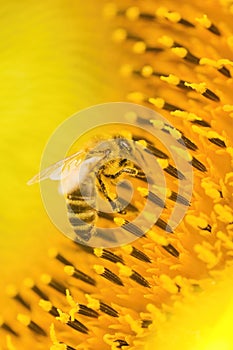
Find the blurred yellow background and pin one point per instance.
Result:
(53, 64)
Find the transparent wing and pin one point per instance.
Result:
(76, 175)
(60, 169)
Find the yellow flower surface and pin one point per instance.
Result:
(163, 290)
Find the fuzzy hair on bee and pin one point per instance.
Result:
(88, 180)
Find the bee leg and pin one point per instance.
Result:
(134, 172)
(104, 191)
(117, 205)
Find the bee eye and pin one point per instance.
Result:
(124, 145)
(107, 151)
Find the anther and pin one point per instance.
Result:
(163, 225)
(107, 255)
(29, 283)
(146, 323)
(171, 250)
(46, 279)
(136, 253)
(72, 271)
(12, 292)
(175, 197)
(198, 165)
(126, 271)
(108, 310)
(7, 327)
(26, 321)
(128, 226)
(109, 275)
(77, 325)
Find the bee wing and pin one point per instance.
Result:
(79, 174)
(60, 169)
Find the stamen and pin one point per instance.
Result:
(107, 255)
(218, 142)
(188, 143)
(72, 271)
(171, 170)
(132, 274)
(29, 283)
(171, 250)
(53, 253)
(205, 22)
(163, 225)
(151, 196)
(178, 135)
(7, 328)
(146, 323)
(139, 279)
(48, 307)
(152, 149)
(79, 308)
(198, 222)
(56, 344)
(179, 199)
(26, 321)
(136, 253)
(98, 305)
(198, 165)
(130, 227)
(109, 275)
(200, 88)
(12, 292)
(46, 279)
(86, 311)
(77, 325)
(121, 343)
(173, 17)
(184, 53)
(108, 310)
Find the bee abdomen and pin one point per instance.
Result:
(85, 232)
(80, 204)
(81, 214)
(82, 218)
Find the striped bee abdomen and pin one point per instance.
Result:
(81, 214)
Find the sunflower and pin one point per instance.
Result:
(162, 290)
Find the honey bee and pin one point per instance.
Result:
(102, 166)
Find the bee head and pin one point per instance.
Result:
(124, 145)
